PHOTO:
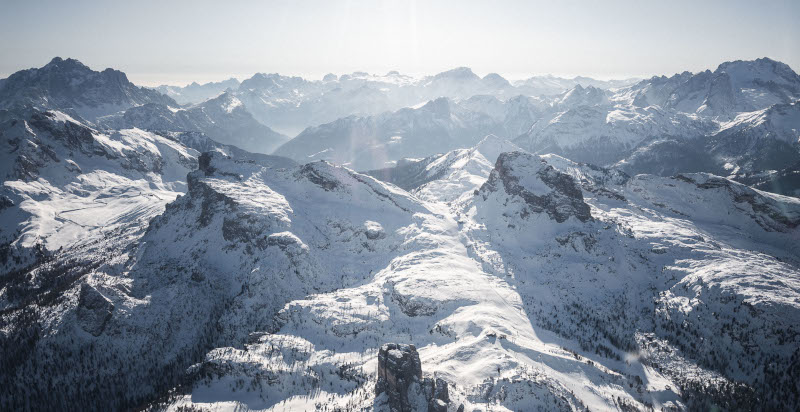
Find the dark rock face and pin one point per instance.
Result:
(34, 136)
(400, 376)
(204, 163)
(73, 135)
(29, 151)
(94, 310)
(399, 370)
(439, 395)
(413, 307)
(564, 199)
(311, 172)
(5, 202)
(783, 182)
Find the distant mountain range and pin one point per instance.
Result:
(741, 120)
(198, 93)
(291, 104)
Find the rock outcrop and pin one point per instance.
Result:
(400, 377)
(94, 310)
(399, 372)
(543, 188)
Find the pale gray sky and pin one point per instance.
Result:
(178, 42)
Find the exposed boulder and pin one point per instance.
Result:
(374, 230)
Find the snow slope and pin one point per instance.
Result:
(555, 285)
(70, 184)
(543, 284)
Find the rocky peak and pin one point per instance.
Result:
(495, 80)
(68, 64)
(721, 96)
(258, 81)
(763, 69)
(74, 135)
(543, 188)
(271, 82)
(461, 73)
(67, 84)
(580, 95)
(322, 174)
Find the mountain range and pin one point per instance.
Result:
(626, 247)
(198, 93)
(741, 121)
(290, 104)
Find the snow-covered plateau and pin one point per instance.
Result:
(490, 246)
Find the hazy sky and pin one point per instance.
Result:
(176, 42)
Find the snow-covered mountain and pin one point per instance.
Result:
(524, 281)
(69, 86)
(738, 86)
(750, 145)
(377, 141)
(66, 184)
(438, 126)
(460, 82)
(739, 119)
(291, 104)
(197, 93)
(107, 100)
(446, 177)
(223, 118)
(76, 202)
